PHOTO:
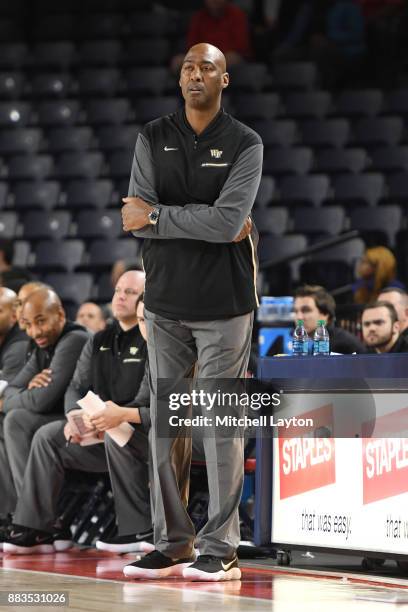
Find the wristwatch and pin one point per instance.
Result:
(154, 216)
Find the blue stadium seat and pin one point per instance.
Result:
(113, 111)
(79, 165)
(325, 133)
(89, 194)
(363, 103)
(112, 138)
(390, 159)
(70, 139)
(55, 255)
(382, 222)
(335, 161)
(297, 160)
(8, 224)
(76, 288)
(257, 106)
(59, 112)
(42, 225)
(20, 140)
(99, 82)
(274, 248)
(313, 104)
(30, 167)
(366, 189)
(350, 252)
(379, 131)
(304, 190)
(278, 133)
(266, 192)
(273, 220)
(398, 188)
(104, 253)
(329, 220)
(99, 224)
(50, 85)
(37, 194)
(120, 164)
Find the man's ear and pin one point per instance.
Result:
(396, 327)
(225, 80)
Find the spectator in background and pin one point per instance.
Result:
(377, 269)
(13, 341)
(222, 24)
(11, 276)
(91, 316)
(381, 329)
(399, 299)
(36, 395)
(22, 295)
(313, 303)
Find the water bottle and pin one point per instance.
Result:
(321, 339)
(300, 342)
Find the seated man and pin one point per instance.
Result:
(399, 299)
(35, 396)
(381, 329)
(91, 316)
(13, 341)
(112, 365)
(313, 303)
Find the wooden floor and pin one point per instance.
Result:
(95, 582)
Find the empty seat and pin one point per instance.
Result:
(22, 253)
(398, 188)
(14, 113)
(76, 288)
(364, 189)
(295, 75)
(257, 105)
(116, 137)
(297, 160)
(325, 133)
(248, 77)
(61, 112)
(99, 224)
(52, 85)
(99, 81)
(315, 104)
(154, 52)
(154, 80)
(8, 224)
(88, 193)
(20, 140)
(40, 225)
(3, 194)
(300, 190)
(12, 55)
(381, 130)
(150, 108)
(100, 53)
(58, 54)
(390, 159)
(30, 167)
(84, 165)
(329, 274)
(272, 220)
(104, 253)
(365, 103)
(58, 255)
(11, 85)
(108, 111)
(120, 164)
(70, 139)
(349, 252)
(281, 133)
(38, 194)
(342, 160)
(329, 220)
(276, 248)
(265, 192)
(382, 220)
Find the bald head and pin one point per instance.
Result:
(7, 311)
(43, 317)
(203, 78)
(23, 293)
(127, 290)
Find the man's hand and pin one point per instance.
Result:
(111, 416)
(246, 230)
(70, 435)
(135, 214)
(42, 379)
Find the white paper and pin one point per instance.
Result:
(92, 403)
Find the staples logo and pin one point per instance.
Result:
(308, 463)
(385, 460)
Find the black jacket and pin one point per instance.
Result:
(205, 187)
(13, 352)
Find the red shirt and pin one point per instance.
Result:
(228, 32)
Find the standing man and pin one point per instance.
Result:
(194, 180)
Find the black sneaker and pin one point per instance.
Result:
(213, 569)
(26, 541)
(155, 565)
(135, 542)
(6, 523)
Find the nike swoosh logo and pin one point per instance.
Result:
(104, 348)
(226, 566)
(170, 148)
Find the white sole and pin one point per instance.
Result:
(144, 547)
(61, 545)
(195, 574)
(149, 574)
(28, 550)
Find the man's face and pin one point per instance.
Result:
(201, 79)
(305, 308)
(141, 320)
(90, 316)
(378, 329)
(44, 325)
(21, 297)
(7, 316)
(397, 300)
(124, 298)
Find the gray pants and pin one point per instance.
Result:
(17, 429)
(219, 349)
(50, 457)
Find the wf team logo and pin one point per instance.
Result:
(385, 460)
(308, 463)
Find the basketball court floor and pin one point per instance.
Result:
(93, 581)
